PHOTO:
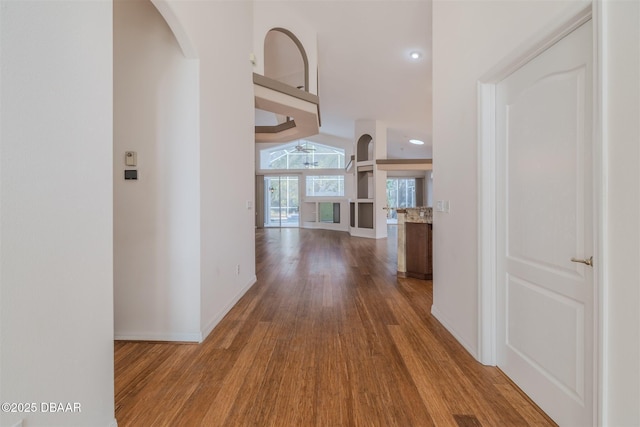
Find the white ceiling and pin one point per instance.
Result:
(365, 71)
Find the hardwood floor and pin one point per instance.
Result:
(328, 336)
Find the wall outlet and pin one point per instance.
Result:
(237, 269)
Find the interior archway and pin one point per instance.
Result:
(155, 115)
(165, 9)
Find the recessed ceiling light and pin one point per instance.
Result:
(416, 141)
(415, 55)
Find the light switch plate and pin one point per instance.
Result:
(442, 206)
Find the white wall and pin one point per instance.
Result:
(621, 21)
(56, 218)
(469, 38)
(492, 30)
(222, 35)
(216, 175)
(156, 218)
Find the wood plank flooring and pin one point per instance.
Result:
(328, 336)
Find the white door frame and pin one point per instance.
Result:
(487, 181)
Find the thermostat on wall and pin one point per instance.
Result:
(130, 158)
(131, 174)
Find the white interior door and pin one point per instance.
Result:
(545, 218)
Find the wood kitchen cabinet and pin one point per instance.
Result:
(418, 252)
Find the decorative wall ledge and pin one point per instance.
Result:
(287, 101)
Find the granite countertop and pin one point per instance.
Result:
(420, 214)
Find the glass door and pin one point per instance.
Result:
(401, 193)
(281, 197)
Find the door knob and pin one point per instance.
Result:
(588, 261)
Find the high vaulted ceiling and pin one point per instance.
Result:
(365, 70)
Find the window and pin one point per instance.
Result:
(325, 186)
(302, 154)
(401, 192)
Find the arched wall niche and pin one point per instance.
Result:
(285, 59)
(364, 149)
(268, 15)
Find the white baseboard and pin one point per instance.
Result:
(195, 337)
(218, 317)
(154, 336)
(113, 423)
(368, 233)
(442, 319)
(325, 226)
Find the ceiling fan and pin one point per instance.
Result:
(304, 148)
(309, 164)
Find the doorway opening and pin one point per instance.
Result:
(281, 201)
(401, 193)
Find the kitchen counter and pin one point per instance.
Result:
(415, 229)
